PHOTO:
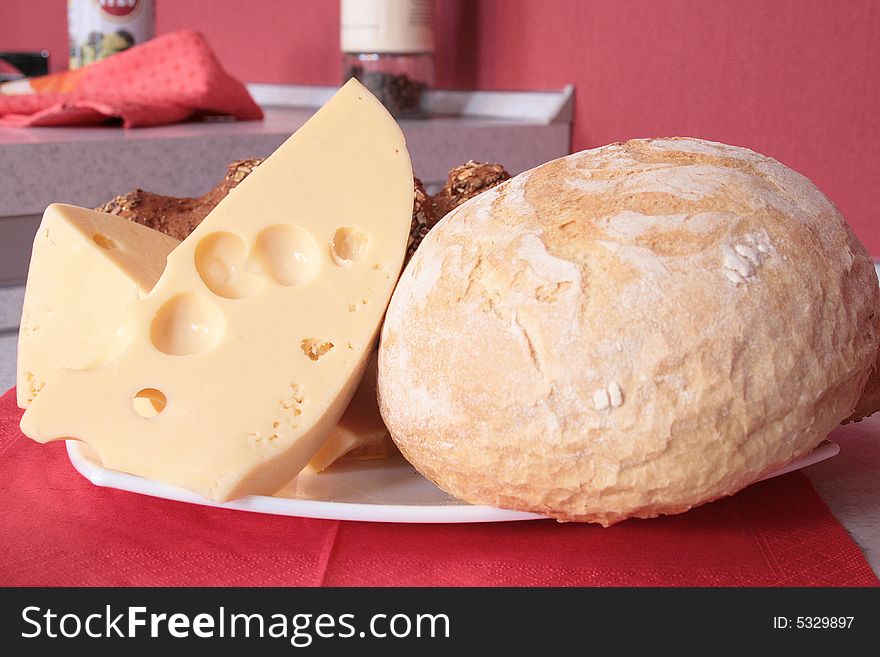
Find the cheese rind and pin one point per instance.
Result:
(223, 336)
(86, 268)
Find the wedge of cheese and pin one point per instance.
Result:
(86, 269)
(360, 434)
(74, 302)
(243, 357)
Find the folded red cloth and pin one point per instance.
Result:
(165, 80)
(58, 529)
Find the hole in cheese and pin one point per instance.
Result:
(187, 324)
(220, 259)
(349, 244)
(105, 242)
(149, 402)
(287, 254)
(314, 348)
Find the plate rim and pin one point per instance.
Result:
(352, 511)
(320, 509)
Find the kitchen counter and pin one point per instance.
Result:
(87, 166)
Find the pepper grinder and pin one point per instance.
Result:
(388, 45)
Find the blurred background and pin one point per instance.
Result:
(795, 79)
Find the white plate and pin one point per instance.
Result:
(388, 490)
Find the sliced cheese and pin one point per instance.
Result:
(247, 351)
(361, 434)
(86, 268)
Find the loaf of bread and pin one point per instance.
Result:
(178, 216)
(869, 401)
(172, 215)
(628, 331)
(464, 182)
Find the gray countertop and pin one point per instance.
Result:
(87, 166)
(8, 342)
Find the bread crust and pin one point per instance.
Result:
(628, 331)
(869, 401)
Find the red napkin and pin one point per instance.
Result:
(165, 80)
(58, 529)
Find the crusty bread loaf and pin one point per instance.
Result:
(869, 401)
(628, 331)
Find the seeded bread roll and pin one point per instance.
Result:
(628, 331)
(464, 182)
(177, 216)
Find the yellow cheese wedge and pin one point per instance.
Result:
(245, 354)
(360, 434)
(75, 301)
(86, 268)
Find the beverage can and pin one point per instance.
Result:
(100, 28)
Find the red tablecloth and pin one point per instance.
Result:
(58, 529)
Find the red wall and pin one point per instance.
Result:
(795, 79)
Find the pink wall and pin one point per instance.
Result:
(795, 79)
